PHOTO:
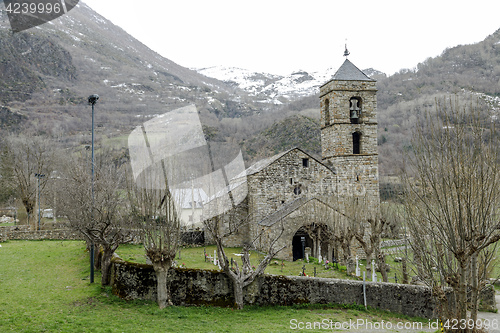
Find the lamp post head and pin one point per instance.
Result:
(93, 99)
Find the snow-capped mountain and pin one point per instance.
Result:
(271, 88)
(276, 89)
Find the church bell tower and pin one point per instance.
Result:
(349, 132)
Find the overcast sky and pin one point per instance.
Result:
(278, 36)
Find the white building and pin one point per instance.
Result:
(191, 201)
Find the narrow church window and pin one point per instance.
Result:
(355, 109)
(327, 112)
(356, 143)
(291, 181)
(297, 190)
(305, 162)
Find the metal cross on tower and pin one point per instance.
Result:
(346, 52)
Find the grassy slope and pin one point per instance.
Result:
(45, 288)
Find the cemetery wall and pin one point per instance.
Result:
(24, 233)
(207, 287)
(393, 242)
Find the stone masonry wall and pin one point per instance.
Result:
(195, 287)
(23, 233)
(274, 186)
(358, 177)
(337, 140)
(357, 173)
(313, 211)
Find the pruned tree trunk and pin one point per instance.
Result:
(163, 288)
(98, 253)
(419, 265)
(462, 292)
(239, 300)
(105, 263)
(29, 206)
(439, 294)
(475, 288)
(406, 279)
(314, 244)
(382, 266)
(348, 261)
(329, 256)
(368, 258)
(318, 245)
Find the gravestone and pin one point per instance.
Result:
(307, 253)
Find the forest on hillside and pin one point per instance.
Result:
(54, 103)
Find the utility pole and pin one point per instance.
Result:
(92, 100)
(38, 176)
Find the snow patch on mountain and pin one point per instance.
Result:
(271, 88)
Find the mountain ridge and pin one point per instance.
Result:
(97, 56)
(47, 72)
(273, 88)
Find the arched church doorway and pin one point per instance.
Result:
(300, 241)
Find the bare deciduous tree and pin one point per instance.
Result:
(242, 276)
(369, 237)
(344, 236)
(452, 192)
(23, 157)
(102, 220)
(156, 215)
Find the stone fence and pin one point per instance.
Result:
(393, 242)
(208, 287)
(63, 232)
(23, 232)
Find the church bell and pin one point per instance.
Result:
(354, 114)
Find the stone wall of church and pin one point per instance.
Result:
(284, 180)
(313, 212)
(339, 93)
(237, 226)
(358, 178)
(357, 173)
(337, 140)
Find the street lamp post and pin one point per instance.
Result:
(92, 100)
(38, 176)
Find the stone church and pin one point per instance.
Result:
(305, 199)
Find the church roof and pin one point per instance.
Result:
(349, 72)
(257, 167)
(262, 164)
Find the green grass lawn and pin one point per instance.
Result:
(44, 287)
(194, 257)
(396, 267)
(7, 224)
